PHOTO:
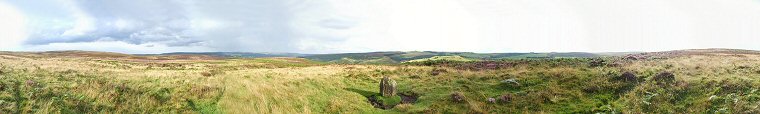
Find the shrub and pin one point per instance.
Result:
(437, 71)
(664, 77)
(627, 77)
(506, 98)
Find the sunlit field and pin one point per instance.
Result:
(687, 81)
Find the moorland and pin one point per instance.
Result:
(680, 81)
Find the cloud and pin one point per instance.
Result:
(337, 24)
(235, 25)
(12, 29)
(329, 26)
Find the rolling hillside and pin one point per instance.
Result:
(399, 57)
(682, 81)
(390, 57)
(235, 54)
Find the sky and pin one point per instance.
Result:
(342, 26)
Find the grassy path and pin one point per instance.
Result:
(317, 89)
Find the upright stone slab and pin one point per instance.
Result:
(387, 87)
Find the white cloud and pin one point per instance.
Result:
(329, 26)
(12, 27)
(84, 23)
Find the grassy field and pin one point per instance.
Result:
(687, 81)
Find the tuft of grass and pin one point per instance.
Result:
(388, 101)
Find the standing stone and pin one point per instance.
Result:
(387, 87)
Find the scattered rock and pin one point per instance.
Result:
(457, 97)
(491, 100)
(664, 77)
(628, 77)
(387, 87)
(511, 82)
(506, 98)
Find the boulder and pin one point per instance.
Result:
(387, 87)
(491, 100)
(511, 82)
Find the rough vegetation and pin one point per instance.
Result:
(686, 81)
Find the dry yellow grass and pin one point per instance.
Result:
(250, 86)
(125, 84)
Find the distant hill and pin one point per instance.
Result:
(108, 55)
(399, 56)
(235, 54)
(389, 57)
